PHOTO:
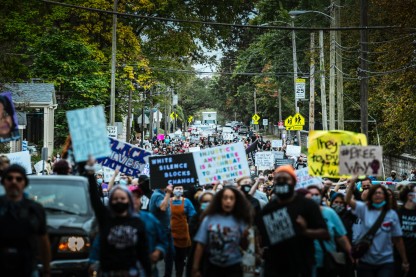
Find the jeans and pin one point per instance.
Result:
(180, 256)
(381, 270)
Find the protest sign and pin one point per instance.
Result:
(128, 158)
(305, 180)
(88, 130)
(280, 162)
(10, 127)
(361, 160)
(293, 150)
(264, 160)
(221, 163)
(160, 137)
(228, 136)
(172, 170)
(324, 149)
(108, 174)
(112, 131)
(277, 143)
(39, 166)
(22, 159)
(194, 149)
(278, 155)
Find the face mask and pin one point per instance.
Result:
(123, 182)
(119, 207)
(283, 190)
(204, 206)
(99, 181)
(245, 189)
(178, 193)
(379, 205)
(414, 199)
(338, 208)
(317, 199)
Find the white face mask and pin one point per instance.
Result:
(178, 193)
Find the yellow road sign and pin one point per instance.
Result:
(190, 118)
(255, 122)
(256, 118)
(289, 122)
(298, 120)
(173, 115)
(294, 128)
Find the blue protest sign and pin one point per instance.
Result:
(130, 159)
(88, 130)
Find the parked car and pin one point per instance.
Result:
(69, 218)
(243, 130)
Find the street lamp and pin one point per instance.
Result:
(295, 13)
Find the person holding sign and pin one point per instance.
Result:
(289, 225)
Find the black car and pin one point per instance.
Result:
(69, 220)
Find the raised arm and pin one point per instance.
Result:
(350, 190)
(113, 179)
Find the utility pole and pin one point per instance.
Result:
(128, 132)
(312, 85)
(279, 97)
(364, 66)
(332, 70)
(151, 114)
(340, 77)
(322, 73)
(255, 107)
(295, 72)
(113, 67)
(142, 134)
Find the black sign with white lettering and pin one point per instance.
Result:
(174, 170)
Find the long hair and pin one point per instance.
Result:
(242, 210)
(372, 191)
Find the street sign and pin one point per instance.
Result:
(294, 128)
(300, 88)
(298, 120)
(256, 119)
(173, 115)
(288, 122)
(265, 121)
(295, 123)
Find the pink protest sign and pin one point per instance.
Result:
(160, 137)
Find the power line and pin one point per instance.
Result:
(265, 27)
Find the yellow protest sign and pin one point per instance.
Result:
(324, 150)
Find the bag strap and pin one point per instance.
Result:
(370, 234)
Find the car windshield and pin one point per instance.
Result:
(63, 198)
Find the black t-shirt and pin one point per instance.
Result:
(408, 223)
(289, 252)
(21, 224)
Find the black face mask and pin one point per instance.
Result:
(119, 207)
(283, 190)
(245, 189)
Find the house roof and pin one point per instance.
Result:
(33, 93)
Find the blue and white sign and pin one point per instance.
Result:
(24, 145)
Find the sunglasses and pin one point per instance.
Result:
(17, 178)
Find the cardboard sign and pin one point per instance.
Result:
(88, 130)
(108, 174)
(293, 150)
(128, 158)
(22, 159)
(228, 136)
(194, 149)
(281, 162)
(278, 155)
(172, 169)
(10, 127)
(324, 149)
(221, 163)
(112, 131)
(305, 180)
(264, 160)
(277, 143)
(361, 160)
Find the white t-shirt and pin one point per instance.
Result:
(381, 250)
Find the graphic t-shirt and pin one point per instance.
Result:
(221, 234)
(289, 253)
(381, 250)
(408, 221)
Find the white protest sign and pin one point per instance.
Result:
(112, 131)
(221, 163)
(108, 174)
(194, 149)
(88, 130)
(264, 160)
(22, 159)
(361, 160)
(39, 166)
(277, 143)
(293, 150)
(228, 136)
(278, 155)
(305, 180)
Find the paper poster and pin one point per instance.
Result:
(280, 162)
(278, 155)
(194, 149)
(324, 149)
(361, 160)
(264, 160)
(128, 158)
(9, 128)
(108, 174)
(293, 150)
(221, 163)
(88, 130)
(172, 170)
(305, 180)
(228, 136)
(112, 131)
(160, 137)
(21, 158)
(277, 143)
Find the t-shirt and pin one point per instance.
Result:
(290, 253)
(408, 221)
(154, 207)
(336, 229)
(381, 250)
(262, 197)
(222, 235)
(21, 224)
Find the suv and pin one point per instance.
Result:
(69, 218)
(243, 130)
